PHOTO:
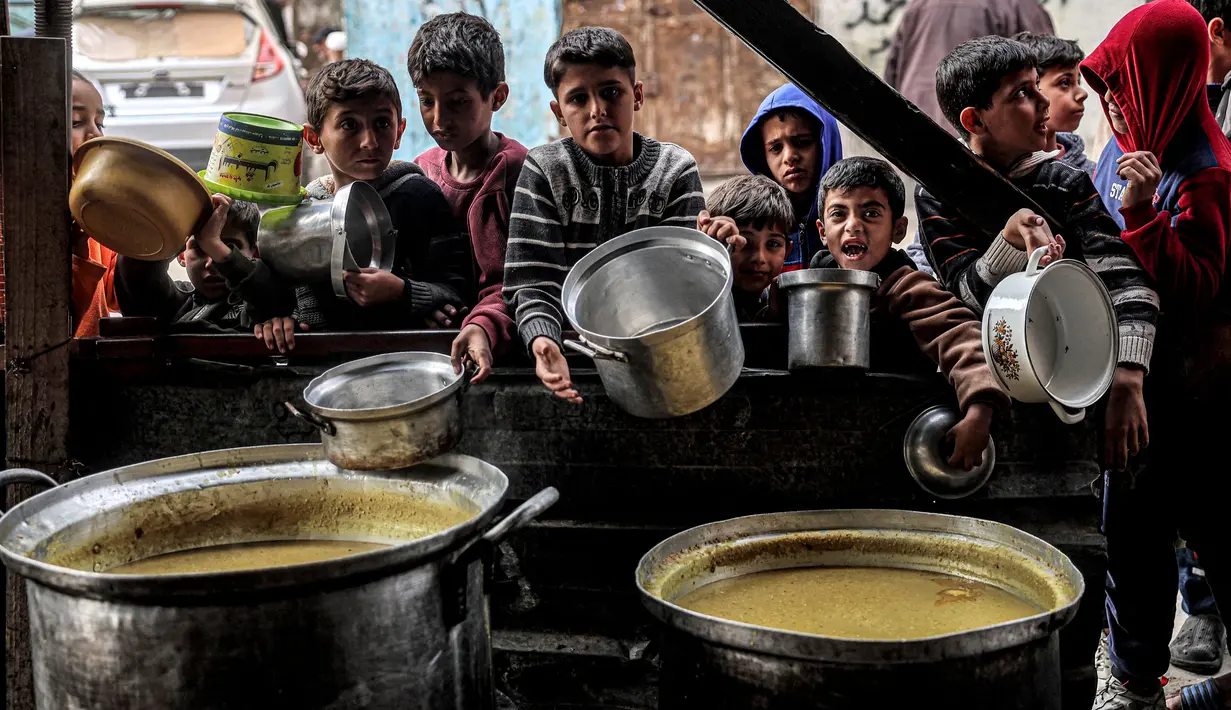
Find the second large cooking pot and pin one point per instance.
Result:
(654, 309)
(404, 626)
(713, 662)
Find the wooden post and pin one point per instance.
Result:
(34, 150)
(822, 68)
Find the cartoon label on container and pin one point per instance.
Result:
(257, 154)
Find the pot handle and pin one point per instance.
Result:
(453, 578)
(595, 352)
(525, 513)
(1066, 415)
(324, 425)
(25, 475)
(1032, 266)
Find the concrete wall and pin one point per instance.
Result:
(382, 30)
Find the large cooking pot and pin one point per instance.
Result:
(654, 309)
(829, 317)
(713, 662)
(1049, 334)
(400, 627)
(319, 241)
(386, 411)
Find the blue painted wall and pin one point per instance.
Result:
(381, 30)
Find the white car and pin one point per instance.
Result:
(168, 70)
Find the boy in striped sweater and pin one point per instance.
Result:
(988, 88)
(576, 193)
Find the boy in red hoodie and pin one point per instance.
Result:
(1165, 179)
(457, 65)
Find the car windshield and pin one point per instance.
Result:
(126, 34)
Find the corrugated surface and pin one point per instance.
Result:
(382, 30)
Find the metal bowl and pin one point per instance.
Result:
(926, 459)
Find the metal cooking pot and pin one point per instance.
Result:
(387, 411)
(829, 315)
(654, 309)
(713, 662)
(926, 450)
(399, 627)
(320, 240)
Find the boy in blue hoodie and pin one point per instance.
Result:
(793, 141)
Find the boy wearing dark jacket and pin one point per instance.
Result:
(226, 290)
(456, 63)
(862, 202)
(1166, 178)
(793, 141)
(989, 90)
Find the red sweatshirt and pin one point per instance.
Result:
(1154, 64)
(483, 205)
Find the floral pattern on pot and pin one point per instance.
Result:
(1003, 352)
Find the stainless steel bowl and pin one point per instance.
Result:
(924, 450)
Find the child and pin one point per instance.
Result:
(576, 193)
(862, 205)
(457, 65)
(794, 141)
(93, 264)
(221, 275)
(988, 89)
(1166, 178)
(355, 121)
(1216, 14)
(1058, 61)
(762, 211)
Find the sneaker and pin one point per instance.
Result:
(1197, 648)
(1114, 695)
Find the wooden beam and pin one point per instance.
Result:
(34, 163)
(822, 68)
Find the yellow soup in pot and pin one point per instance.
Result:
(871, 603)
(246, 555)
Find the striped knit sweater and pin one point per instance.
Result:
(970, 263)
(565, 205)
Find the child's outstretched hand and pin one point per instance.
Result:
(724, 229)
(371, 286)
(1127, 431)
(471, 346)
(552, 369)
(278, 333)
(970, 435)
(209, 239)
(1143, 174)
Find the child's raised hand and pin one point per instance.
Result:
(278, 333)
(970, 435)
(371, 286)
(1143, 174)
(552, 369)
(209, 238)
(724, 229)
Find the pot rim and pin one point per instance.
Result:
(805, 646)
(373, 563)
(397, 410)
(825, 277)
(631, 241)
(384, 243)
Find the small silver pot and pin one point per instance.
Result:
(654, 309)
(320, 240)
(386, 412)
(829, 315)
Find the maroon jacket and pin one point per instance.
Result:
(483, 206)
(930, 29)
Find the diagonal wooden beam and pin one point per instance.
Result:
(822, 68)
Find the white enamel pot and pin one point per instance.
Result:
(1049, 334)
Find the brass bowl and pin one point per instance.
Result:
(135, 199)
